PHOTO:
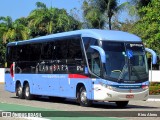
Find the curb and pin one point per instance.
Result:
(153, 99)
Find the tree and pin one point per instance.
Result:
(43, 20)
(13, 31)
(65, 22)
(5, 25)
(38, 20)
(148, 26)
(2, 53)
(92, 15)
(135, 5)
(109, 7)
(96, 11)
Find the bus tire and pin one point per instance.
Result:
(82, 97)
(19, 91)
(27, 93)
(121, 104)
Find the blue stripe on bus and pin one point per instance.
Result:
(122, 85)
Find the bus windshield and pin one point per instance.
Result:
(125, 62)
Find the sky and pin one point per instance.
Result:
(22, 8)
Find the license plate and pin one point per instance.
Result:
(129, 96)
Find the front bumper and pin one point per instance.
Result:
(105, 94)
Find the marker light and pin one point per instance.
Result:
(145, 87)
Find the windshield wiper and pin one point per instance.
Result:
(122, 73)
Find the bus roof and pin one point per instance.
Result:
(105, 35)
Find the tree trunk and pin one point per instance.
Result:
(110, 23)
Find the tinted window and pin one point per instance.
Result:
(113, 46)
(74, 48)
(48, 51)
(23, 53)
(88, 42)
(35, 52)
(61, 55)
(11, 54)
(61, 49)
(28, 52)
(68, 48)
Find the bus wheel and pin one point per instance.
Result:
(82, 97)
(19, 91)
(122, 104)
(27, 93)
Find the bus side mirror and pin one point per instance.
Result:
(154, 56)
(101, 51)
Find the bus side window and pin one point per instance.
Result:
(10, 55)
(74, 56)
(36, 52)
(95, 63)
(88, 42)
(74, 49)
(23, 53)
(47, 51)
(61, 49)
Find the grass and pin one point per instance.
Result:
(154, 88)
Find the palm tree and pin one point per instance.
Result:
(7, 21)
(6, 26)
(13, 31)
(104, 8)
(21, 28)
(45, 20)
(92, 15)
(37, 19)
(110, 8)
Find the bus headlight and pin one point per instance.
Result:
(107, 86)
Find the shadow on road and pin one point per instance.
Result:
(101, 105)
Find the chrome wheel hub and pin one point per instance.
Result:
(27, 91)
(83, 96)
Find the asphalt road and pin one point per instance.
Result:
(71, 105)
